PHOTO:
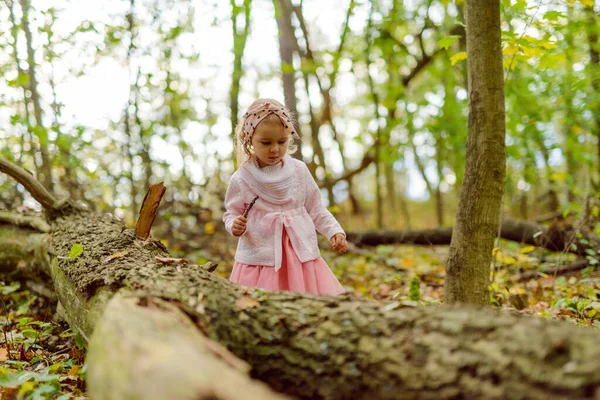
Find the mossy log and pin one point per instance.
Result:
(23, 253)
(311, 347)
(325, 347)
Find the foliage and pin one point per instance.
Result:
(39, 358)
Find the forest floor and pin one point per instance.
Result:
(44, 359)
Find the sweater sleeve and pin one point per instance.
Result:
(324, 221)
(234, 205)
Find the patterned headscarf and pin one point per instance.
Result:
(258, 112)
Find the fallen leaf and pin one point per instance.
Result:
(74, 371)
(3, 354)
(168, 260)
(25, 355)
(245, 302)
(118, 254)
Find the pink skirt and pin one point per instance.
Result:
(294, 276)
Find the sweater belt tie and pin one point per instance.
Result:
(280, 219)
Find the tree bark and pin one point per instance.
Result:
(468, 273)
(313, 347)
(594, 68)
(239, 45)
(378, 138)
(283, 14)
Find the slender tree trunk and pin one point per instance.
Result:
(29, 136)
(390, 184)
(129, 147)
(62, 142)
(594, 68)
(40, 131)
(570, 121)
(283, 14)
(239, 45)
(326, 113)
(468, 267)
(145, 136)
(377, 144)
(553, 202)
(405, 212)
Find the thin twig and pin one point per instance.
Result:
(247, 210)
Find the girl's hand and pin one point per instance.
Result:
(338, 241)
(239, 226)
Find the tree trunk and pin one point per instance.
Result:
(378, 141)
(40, 131)
(239, 45)
(283, 14)
(468, 271)
(594, 68)
(439, 199)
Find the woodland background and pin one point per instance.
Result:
(100, 102)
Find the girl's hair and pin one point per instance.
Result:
(243, 144)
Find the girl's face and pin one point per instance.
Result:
(270, 142)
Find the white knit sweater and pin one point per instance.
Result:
(288, 197)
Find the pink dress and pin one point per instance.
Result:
(294, 276)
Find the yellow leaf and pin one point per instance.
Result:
(458, 57)
(589, 3)
(509, 260)
(529, 52)
(209, 228)
(527, 249)
(547, 45)
(334, 209)
(576, 129)
(408, 262)
(74, 371)
(510, 50)
(560, 176)
(118, 254)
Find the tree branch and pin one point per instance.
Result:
(33, 186)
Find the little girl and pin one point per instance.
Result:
(274, 205)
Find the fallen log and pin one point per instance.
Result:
(576, 265)
(559, 236)
(316, 347)
(146, 348)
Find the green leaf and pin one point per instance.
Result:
(458, 57)
(30, 333)
(414, 292)
(527, 249)
(14, 286)
(79, 340)
(76, 250)
(446, 42)
(42, 391)
(559, 303)
(287, 68)
(554, 15)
